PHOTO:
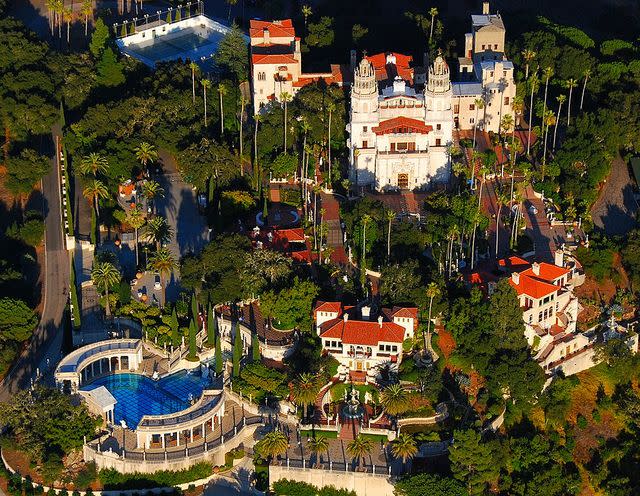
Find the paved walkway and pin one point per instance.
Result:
(335, 235)
(615, 211)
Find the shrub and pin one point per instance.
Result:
(114, 480)
(292, 488)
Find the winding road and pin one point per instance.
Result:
(46, 341)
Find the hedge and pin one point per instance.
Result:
(114, 480)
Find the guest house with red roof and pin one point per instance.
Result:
(549, 309)
(361, 341)
(276, 62)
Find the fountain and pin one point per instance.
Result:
(353, 409)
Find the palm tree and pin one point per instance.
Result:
(222, 91)
(587, 74)
(94, 191)
(305, 390)
(359, 448)
(528, 56)
(305, 128)
(433, 12)
(404, 447)
(230, 3)
(533, 81)
(256, 120)
(331, 107)
(479, 104)
(476, 217)
(285, 97)
(51, 8)
(306, 13)
(549, 119)
(570, 83)
(432, 291)
(194, 67)
(157, 231)
(86, 10)
(318, 445)
(136, 219)
(394, 400)
(146, 153)
(273, 444)
(206, 84)
(518, 107)
(67, 13)
(152, 190)
(164, 263)
(547, 73)
(390, 215)
(104, 275)
(507, 124)
(560, 99)
(366, 219)
(59, 11)
(93, 163)
(501, 200)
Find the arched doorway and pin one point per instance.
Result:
(403, 181)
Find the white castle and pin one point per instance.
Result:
(399, 137)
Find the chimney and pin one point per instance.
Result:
(346, 316)
(366, 312)
(485, 8)
(265, 35)
(380, 321)
(558, 258)
(515, 277)
(354, 59)
(536, 268)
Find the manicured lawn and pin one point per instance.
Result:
(318, 433)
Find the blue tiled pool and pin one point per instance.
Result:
(138, 395)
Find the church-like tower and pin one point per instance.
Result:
(364, 117)
(438, 95)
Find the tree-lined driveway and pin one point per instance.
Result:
(46, 341)
(180, 208)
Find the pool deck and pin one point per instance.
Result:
(233, 411)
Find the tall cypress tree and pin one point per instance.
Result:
(237, 352)
(218, 355)
(193, 347)
(212, 327)
(175, 328)
(194, 308)
(255, 347)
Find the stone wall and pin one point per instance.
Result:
(107, 459)
(361, 482)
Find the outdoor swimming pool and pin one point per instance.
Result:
(180, 45)
(138, 395)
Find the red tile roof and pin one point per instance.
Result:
(514, 263)
(363, 332)
(272, 58)
(295, 235)
(548, 272)
(386, 71)
(402, 124)
(277, 29)
(329, 306)
(411, 312)
(533, 287)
